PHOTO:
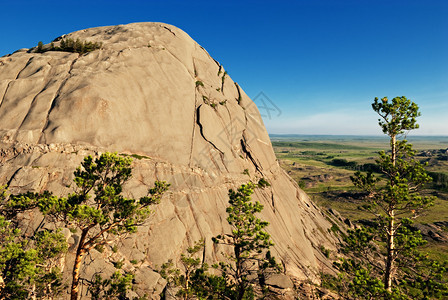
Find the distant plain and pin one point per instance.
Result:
(322, 166)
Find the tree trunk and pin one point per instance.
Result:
(238, 274)
(33, 292)
(2, 284)
(389, 272)
(241, 290)
(80, 252)
(394, 149)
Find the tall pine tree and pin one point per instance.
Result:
(394, 199)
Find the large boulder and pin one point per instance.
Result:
(154, 93)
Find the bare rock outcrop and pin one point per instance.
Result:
(152, 92)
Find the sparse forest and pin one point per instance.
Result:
(248, 264)
(30, 261)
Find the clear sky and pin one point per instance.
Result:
(319, 63)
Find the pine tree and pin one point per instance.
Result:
(250, 262)
(394, 199)
(244, 273)
(29, 262)
(40, 47)
(188, 280)
(97, 209)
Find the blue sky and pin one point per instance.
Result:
(321, 63)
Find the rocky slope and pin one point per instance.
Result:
(152, 91)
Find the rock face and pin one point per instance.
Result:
(154, 92)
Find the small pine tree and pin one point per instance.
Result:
(115, 287)
(189, 279)
(40, 47)
(97, 209)
(62, 45)
(28, 261)
(251, 261)
(78, 46)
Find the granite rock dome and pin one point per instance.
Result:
(151, 91)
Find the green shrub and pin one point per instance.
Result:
(40, 47)
(223, 77)
(71, 45)
(342, 162)
(439, 180)
(118, 264)
(139, 157)
(263, 183)
(335, 228)
(325, 251)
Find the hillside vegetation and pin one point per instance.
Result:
(69, 45)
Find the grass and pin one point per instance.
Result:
(347, 209)
(437, 212)
(436, 251)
